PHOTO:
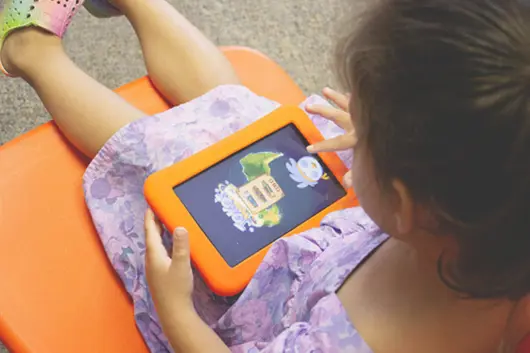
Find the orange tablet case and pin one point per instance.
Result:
(220, 277)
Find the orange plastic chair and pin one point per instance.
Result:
(58, 293)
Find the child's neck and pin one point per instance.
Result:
(398, 296)
(416, 267)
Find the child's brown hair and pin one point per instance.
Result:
(442, 96)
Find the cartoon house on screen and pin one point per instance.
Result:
(260, 193)
(255, 199)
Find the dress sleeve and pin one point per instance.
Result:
(304, 337)
(299, 338)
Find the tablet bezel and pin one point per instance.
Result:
(158, 189)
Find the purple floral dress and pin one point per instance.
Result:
(290, 305)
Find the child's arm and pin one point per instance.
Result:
(187, 332)
(170, 280)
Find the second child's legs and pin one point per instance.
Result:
(182, 63)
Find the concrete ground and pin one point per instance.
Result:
(296, 33)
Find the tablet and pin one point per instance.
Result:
(243, 193)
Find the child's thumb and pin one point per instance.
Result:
(181, 246)
(348, 180)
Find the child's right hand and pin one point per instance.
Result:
(339, 116)
(342, 118)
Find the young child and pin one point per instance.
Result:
(437, 260)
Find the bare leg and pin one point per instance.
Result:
(86, 112)
(182, 63)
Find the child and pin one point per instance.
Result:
(441, 127)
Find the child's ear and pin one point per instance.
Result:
(403, 209)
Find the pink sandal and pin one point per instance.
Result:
(53, 16)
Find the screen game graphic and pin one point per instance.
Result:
(255, 203)
(255, 196)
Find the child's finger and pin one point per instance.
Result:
(338, 143)
(152, 221)
(153, 234)
(181, 247)
(341, 100)
(347, 180)
(339, 117)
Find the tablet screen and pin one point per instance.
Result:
(255, 196)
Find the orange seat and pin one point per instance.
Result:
(58, 293)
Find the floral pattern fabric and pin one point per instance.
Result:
(290, 305)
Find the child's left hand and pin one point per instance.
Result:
(170, 279)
